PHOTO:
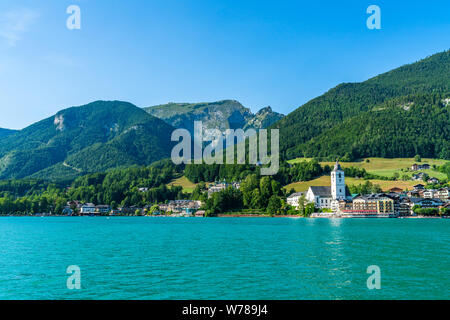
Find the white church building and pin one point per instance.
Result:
(329, 197)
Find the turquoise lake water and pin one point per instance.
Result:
(223, 258)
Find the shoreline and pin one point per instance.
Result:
(224, 215)
(248, 215)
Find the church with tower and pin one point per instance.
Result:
(328, 197)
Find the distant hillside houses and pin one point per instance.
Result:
(188, 207)
(421, 177)
(433, 181)
(220, 186)
(418, 177)
(442, 194)
(416, 166)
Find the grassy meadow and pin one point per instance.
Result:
(387, 167)
(325, 181)
(187, 185)
(379, 166)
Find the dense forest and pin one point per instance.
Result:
(117, 187)
(350, 100)
(288, 173)
(5, 132)
(399, 128)
(256, 194)
(79, 140)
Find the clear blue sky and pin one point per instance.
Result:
(277, 53)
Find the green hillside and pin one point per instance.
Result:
(6, 132)
(385, 167)
(402, 127)
(90, 138)
(348, 100)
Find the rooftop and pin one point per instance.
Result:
(297, 194)
(321, 191)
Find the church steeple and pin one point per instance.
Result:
(337, 166)
(337, 182)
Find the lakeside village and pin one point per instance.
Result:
(336, 201)
(327, 201)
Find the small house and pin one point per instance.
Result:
(433, 181)
(200, 213)
(293, 199)
(103, 209)
(87, 208)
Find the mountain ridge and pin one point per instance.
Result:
(222, 115)
(93, 137)
(350, 120)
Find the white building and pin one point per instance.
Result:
(430, 193)
(293, 199)
(218, 187)
(88, 208)
(433, 181)
(103, 209)
(329, 197)
(320, 196)
(424, 203)
(443, 193)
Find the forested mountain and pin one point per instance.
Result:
(401, 127)
(226, 114)
(348, 100)
(6, 132)
(90, 138)
(401, 113)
